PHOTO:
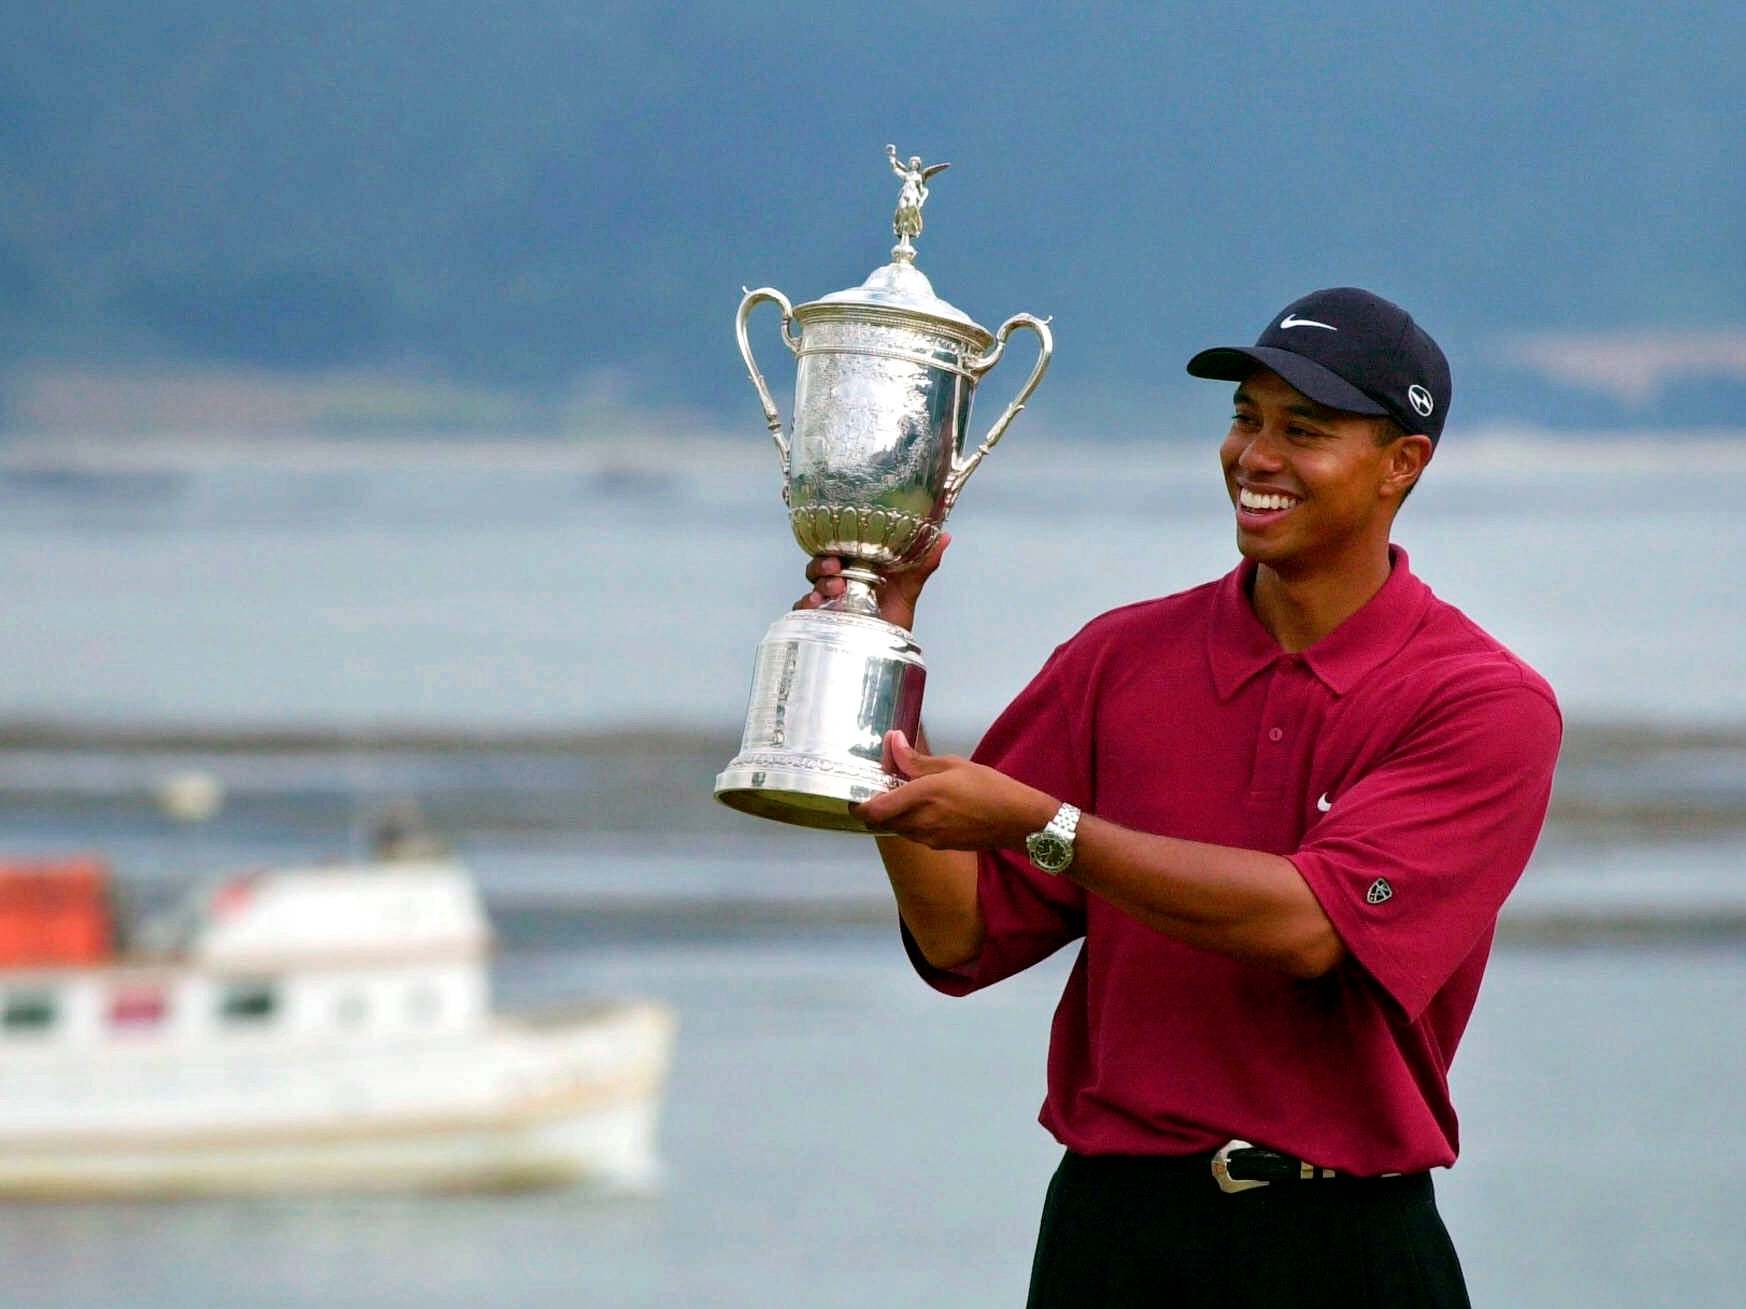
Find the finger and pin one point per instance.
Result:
(823, 566)
(870, 812)
(827, 588)
(888, 808)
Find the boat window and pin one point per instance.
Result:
(351, 1009)
(28, 1011)
(248, 1002)
(137, 1006)
(423, 1004)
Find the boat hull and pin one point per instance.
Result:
(559, 1099)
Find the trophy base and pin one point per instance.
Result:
(803, 790)
(827, 688)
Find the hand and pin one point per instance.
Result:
(950, 803)
(897, 595)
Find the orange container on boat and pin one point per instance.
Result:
(54, 912)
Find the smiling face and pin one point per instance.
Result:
(1313, 487)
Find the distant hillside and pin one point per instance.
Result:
(529, 196)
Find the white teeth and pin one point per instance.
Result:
(1256, 500)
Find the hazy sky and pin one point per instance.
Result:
(529, 192)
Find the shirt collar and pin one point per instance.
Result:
(1238, 646)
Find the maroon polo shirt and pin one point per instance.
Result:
(1403, 763)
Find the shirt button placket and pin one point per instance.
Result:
(1283, 706)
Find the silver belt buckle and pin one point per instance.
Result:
(1221, 1169)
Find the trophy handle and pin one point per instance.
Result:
(979, 367)
(772, 418)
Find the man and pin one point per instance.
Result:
(1281, 811)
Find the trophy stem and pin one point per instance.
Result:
(860, 593)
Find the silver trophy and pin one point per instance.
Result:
(872, 468)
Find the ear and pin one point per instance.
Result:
(1407, 459)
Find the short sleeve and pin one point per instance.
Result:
(1042, 739)
(1414, 859)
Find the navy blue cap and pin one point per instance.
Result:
(1347, 349)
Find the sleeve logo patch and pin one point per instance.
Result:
(1380, 892)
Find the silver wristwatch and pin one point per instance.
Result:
(1051, 849)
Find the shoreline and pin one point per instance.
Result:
(532, 924)
(1617, 780)
(1641, 847)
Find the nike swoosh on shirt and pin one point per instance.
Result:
(1289, 321)
(1324, 804)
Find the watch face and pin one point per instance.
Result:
(1049, 852)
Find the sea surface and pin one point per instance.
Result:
(545, 647)
(565, 584)
(839, 1135)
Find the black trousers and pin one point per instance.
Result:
(1120, 1231)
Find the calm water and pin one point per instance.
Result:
(542, 585)
(839, 1135)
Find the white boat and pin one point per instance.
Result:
(326, 1027)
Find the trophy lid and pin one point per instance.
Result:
(900, 285)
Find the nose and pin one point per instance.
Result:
(1259, 454)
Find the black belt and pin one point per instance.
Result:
(1239, 1166)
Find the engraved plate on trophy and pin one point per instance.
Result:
(875, 459)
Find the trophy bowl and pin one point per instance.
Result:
(885, 375)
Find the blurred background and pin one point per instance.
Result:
(373, 435)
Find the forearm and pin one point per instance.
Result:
(1245, 903)
(936, 896)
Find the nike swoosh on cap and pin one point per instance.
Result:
(1291, 321)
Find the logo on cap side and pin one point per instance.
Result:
(1420, 400)
(1291, 321)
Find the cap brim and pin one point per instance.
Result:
(1233, 363)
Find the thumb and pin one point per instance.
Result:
(931, 560)
(909, 761)
(914, 577)
(897, 754)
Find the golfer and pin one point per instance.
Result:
(1278, 813)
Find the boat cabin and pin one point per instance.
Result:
(328, 952)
